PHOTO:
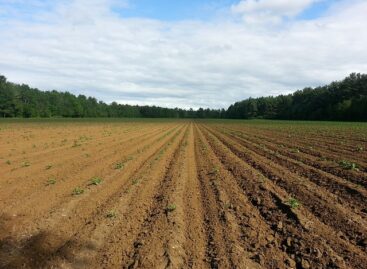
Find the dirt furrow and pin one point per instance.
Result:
(23, 187)
(142, 210)
(311, 154)
(301, 234)
(322, 205)
(349, 193)
(251, 239)
(32, 204)
(49, 234)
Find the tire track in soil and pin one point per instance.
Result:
(307, 240)
(55, 232)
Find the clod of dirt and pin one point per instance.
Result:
(305, 264)
(270, 238)
(291, 263)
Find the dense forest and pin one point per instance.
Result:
(22, 101)
(342, 100)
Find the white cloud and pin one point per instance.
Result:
(187, 64)
(257, 11)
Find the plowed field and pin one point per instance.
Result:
(183, 194)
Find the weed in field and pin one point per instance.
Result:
(111, 214)
(119, 166)
(214, 171)
(95, 181)
(127, 191)
(170, 208)
(135, 181)
(8, 162)
(360, 148)
(294, 203)
(78, 191)
(48, 167)
(76, 144)
(26, 164)
(295, 151)
(51, 181)
(347, 165)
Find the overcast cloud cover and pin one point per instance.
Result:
(244, 48)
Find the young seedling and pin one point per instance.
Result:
(119, 166)
(8, 162)
(78, 191)
(293, 203)
(347, 165)
(111, 214)
(360, 148)
(48, 167)
(76, 144)
(95, 181)
(26, 164)
(51, 181)
(215, 170)
(135, 181)
(170, 208)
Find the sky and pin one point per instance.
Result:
(182, 53)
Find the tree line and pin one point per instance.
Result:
(341, 100)
(344, 100)
(22, 101)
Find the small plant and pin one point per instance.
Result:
(294, 203)
(135, 181)
(8, 162)
(26, 164)
(348, 165)
(111, 214)
(214, 171)
(76, 144)
(360, 148)
(51, 181)
(48, 167)
(170, 208)
(78, 191)
(95, 181)
(119, 166)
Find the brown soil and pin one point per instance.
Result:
(180, 194)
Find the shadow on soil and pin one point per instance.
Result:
(33, 252)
